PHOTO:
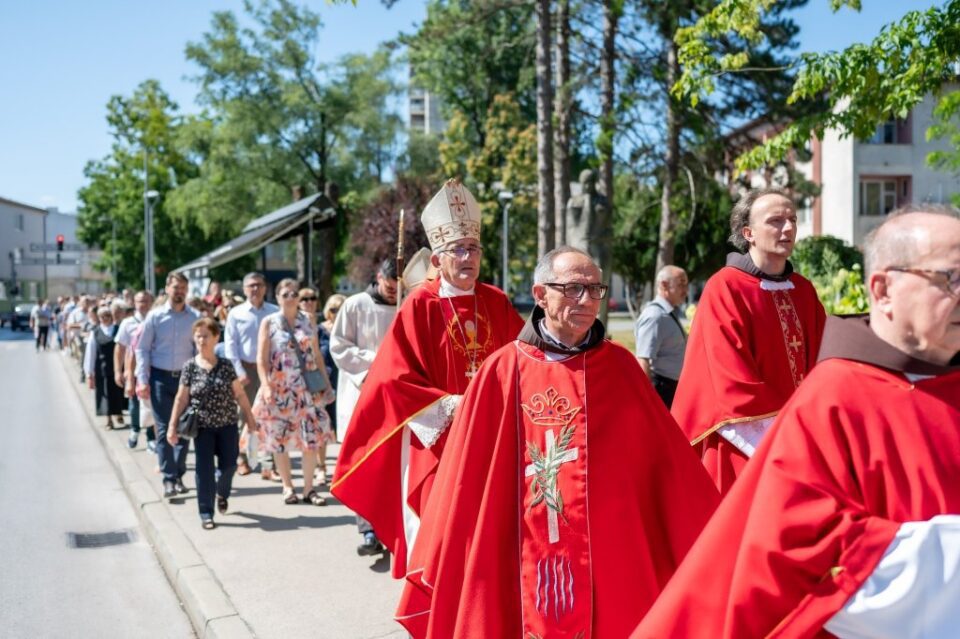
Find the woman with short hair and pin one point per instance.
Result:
(98, 367)
(211, 389)
(286, 411)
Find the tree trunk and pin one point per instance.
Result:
(604, 223)
(562, 106)
(668, 223)
(545, 205)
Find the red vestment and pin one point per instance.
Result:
(385, 470)
(857, 451)
(585, 552)
(752, 342)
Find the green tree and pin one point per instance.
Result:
(145, 128)
(283, 122)
(862, 85)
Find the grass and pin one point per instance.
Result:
(624, 338)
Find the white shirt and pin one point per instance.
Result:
(127, 327)
(241, 332)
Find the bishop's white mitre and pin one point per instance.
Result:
(451, 215)
(417, 268)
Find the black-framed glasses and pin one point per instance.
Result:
(461, 252)
(949, 281)
(574, 291)
(308, 299)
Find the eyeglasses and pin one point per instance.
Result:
(461, 252)
(308, 299)
(287, 295)
(949, 281)
(574, 291)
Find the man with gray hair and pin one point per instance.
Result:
(755, 336)
(660, 338)
(555, 420)
(240, 346)
(858, 534)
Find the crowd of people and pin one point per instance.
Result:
(772, 473)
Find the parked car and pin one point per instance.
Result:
(21, 316)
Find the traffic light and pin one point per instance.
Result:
(59, 243)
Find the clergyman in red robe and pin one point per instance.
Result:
(567, 495)
(846, 522)
(754, 338)
(441, 335)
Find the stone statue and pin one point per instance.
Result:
(587, 225)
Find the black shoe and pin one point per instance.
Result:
(222, 505)
(181, 489)
(370, 546)
(169, 489)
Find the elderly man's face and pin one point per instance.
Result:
(255, 289)
(566, 317)
(773, 226)
(459, 263)
(142, 303)
(676, 288)
(923, 306)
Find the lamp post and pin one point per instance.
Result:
(505, 198)
(150, 275)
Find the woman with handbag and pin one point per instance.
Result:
(205, 410)
(292, 389)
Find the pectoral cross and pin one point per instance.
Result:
(795, 343)
(553, 524)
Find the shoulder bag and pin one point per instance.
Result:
(314, 379)
(188, 425)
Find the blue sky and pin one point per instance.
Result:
(61, 61)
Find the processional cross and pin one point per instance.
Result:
(547, 469)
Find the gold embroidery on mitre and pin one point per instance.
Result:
(550, 409)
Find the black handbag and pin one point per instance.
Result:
(189, 424)
(315, 381)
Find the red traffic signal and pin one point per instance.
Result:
(60, 242)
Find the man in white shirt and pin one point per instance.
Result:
(360, 327)
(240, 346)
(141, 305)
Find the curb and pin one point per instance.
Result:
(203, 598)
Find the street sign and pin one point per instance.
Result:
(39, 261)
(52, 247)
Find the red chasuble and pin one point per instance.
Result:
(857, 451)
(752, 342)
(397, 433)
(565, 500)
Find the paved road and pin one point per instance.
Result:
(55, 479)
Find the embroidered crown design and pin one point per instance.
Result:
(550, 409)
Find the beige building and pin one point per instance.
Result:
(860, 180)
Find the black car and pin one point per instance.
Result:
(20, 321)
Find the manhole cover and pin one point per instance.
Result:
(99, 540)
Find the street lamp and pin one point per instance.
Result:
(150, 276)
(505, 198)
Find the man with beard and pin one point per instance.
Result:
(754, 338)
(165, 345)
(846, 522)
(434, 347)
(358, 331)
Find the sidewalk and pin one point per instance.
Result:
(269, 569)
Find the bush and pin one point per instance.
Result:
(836, 270)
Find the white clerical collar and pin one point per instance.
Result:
(556, 340)
(449, 290)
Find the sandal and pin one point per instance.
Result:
(243, 468)
(207, 524)
(314, 498)
(290, 497)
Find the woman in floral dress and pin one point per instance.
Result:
(286, 412)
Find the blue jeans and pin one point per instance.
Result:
(134, 408)
(224, 442)
(163, 390)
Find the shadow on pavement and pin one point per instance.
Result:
(286, 523)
